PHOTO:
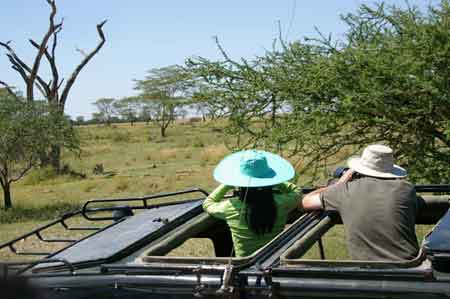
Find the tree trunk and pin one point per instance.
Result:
(45, 159)
(55, 157)
(7, 196)
(162, 123)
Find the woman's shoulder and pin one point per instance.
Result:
(286, 187)
(286, 195)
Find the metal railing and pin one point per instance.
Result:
(86, 212)
(144, 200)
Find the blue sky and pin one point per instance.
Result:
(144, 34)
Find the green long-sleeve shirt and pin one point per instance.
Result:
(246, 241)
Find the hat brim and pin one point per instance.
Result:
(396, 172)
(228, 171)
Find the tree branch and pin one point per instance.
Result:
(22, 172)
(4, 172)
(13, 58)
(42, 49)
(52, 61)
(17, 64)
(224, 54)
(1, 180)
(82, 52)
(18, 69)
(442, 137)
(86, 59)
(51, 91)
(22, 68)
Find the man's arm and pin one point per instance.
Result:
(311, 201)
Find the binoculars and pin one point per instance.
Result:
(339, 171)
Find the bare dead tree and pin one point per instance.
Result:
(53, 89)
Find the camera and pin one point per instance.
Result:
(339, 171)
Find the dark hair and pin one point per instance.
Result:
(260, 209)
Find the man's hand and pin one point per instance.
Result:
(346, 177)
(311, 201)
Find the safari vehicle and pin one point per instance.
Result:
(125, 255)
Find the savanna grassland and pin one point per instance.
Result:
(136, 161)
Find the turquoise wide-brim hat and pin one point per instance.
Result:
(253, 168)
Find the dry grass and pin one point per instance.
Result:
(90, 186)
(133, 166)
(214, 153)
(122, 185)
(194, 248)
(167, 154)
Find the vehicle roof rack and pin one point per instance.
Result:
(88, 212)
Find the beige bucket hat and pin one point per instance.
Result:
(378, 161)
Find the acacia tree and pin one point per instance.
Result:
(146, 112)
(204, 100)
(27, 129)
(387, 82)
(106, 110)
(166, 89)
(128, 108)
(79, 120)
(53, 90)
(243, 91)
(97, 118)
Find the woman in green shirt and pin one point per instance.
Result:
(264, 200)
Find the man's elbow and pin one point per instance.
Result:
(312, 202)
